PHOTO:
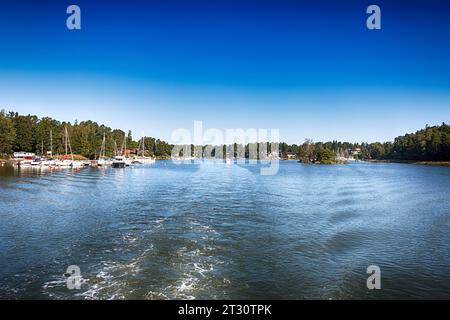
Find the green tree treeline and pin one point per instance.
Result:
(429, 144)
(29, 133)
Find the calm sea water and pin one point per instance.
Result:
(208, 230)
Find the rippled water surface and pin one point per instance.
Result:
(209, 230)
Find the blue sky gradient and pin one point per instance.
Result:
(310, 68)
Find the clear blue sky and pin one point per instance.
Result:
(309, 68)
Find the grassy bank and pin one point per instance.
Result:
(163, 158)
(425, 163)
(434, 163)
(75, 157)
(326, 162)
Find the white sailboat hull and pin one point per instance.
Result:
(143, 160)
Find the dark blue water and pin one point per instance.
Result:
(215, 231)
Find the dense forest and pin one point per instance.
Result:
(429, 144)
(31, 134)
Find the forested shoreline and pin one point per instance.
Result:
(32, 134)
(429, 144)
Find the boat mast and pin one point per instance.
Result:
(70, 146)
(51, 144)
(68, 143)
(124, 152)
(103, 147)
(138, 148)
(65, 138)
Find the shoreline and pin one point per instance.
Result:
(4, 162)
(416, 162)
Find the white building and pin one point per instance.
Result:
(24, 155)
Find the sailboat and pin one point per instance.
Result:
(66, 163)
(49, 162)
(102, 160)
(127, 160)
(38, 161)
(142, 159)
(121, 160)
(118, 160)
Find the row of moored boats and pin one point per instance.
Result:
(120, 160)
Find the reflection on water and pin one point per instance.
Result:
(207, 230)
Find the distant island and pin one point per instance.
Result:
(28, 133)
